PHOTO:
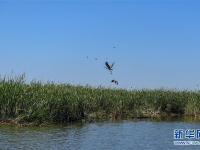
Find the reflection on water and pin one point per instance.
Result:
(126, 135)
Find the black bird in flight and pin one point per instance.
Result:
(109, 66)
(115, 82)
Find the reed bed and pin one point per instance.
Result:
(61, 103)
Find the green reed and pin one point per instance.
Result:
(52, 102)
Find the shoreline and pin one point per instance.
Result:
(172, 118)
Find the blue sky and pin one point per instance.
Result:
(157, 42)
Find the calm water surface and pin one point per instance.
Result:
(124, 135)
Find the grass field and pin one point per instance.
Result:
(62, 103)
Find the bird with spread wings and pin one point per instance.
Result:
(109, 66)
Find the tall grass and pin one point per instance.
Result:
(52, 102)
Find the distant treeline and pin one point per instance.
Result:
(63, 103)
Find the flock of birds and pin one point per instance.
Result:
(109, 67)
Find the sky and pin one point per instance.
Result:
(157, 43)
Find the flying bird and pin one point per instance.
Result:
(109, 66)
(115, 82)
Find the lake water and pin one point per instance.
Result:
(123, 135)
